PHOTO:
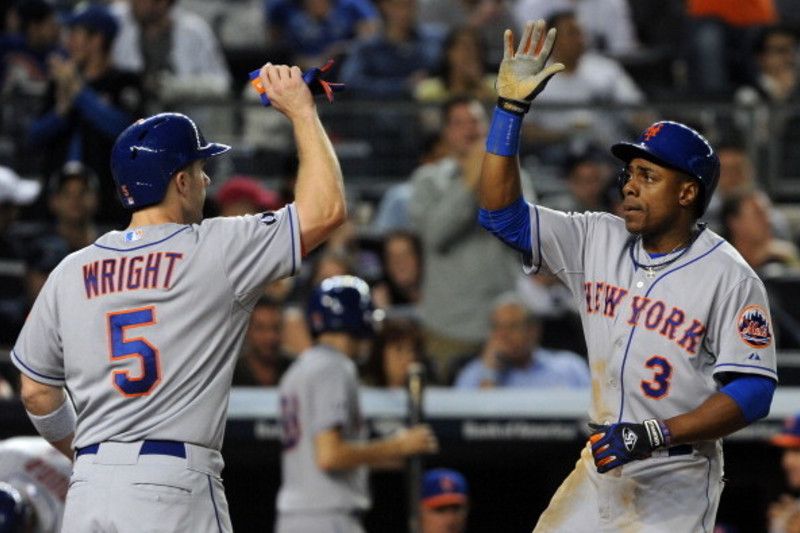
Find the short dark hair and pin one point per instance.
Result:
(33, 11)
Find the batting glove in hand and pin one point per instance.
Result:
(617, 444)
(523, 74)
(312, 77)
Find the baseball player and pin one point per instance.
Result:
(325, 448)
(39, 475)
(678, 327)
(143, 327)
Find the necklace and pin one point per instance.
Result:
(651, 269)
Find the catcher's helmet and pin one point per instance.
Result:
(677, 146)
(341, 304)
(150, 151)
(14, 510)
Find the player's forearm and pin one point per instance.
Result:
(50, 413)
(343, 455)
(319, 193)
(717, 417)
(500, 181)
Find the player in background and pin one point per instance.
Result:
(143, 327)
(326, 453)
(35, 476)
(677, 324)
(784, 515)
(444, 506)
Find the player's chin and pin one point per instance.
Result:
(633, 223)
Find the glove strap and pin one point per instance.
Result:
(657, 433)
(503, 138)
(513, 106)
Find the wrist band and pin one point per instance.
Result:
(56, 425)
(665, 432)
(503, 138)
(513, 106)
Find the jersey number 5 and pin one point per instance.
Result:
(122, 348)
(658, 387)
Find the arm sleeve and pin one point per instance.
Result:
(753, 394)
(108, 119)
(510, 224)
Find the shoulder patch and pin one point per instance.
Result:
(754, 328)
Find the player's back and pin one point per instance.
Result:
(149, 322)
(318, 393)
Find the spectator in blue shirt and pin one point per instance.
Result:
(392, 62)
(313, 31)
(89, 103)
(512, 356)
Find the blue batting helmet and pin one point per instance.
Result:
(150, 151)
(14, 510)
(677, 146)
(341, 304)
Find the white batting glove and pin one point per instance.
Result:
(523, 74)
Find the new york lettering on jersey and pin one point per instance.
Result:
(669, 321)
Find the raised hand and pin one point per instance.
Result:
(523, 74)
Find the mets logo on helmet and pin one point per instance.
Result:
(652, 131)
(753, 326)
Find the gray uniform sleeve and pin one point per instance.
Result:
(37, 352)
(741, 333)
(257, 249)
(329, 399)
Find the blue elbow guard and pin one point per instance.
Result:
(511, 224)
(753, 394)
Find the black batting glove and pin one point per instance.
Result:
(618, 444)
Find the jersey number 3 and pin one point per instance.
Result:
(658, 387)
(138, 347)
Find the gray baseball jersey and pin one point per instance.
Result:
(657, 339)
(41, 473)
(318, 393)
(143, 326)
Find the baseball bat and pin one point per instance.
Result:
(415, 385)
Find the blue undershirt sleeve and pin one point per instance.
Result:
(753, 394)
(511, 224)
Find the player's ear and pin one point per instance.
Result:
(689, 192)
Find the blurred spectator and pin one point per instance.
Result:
(14, 303)
(243, 195)
(718, 41)
(392, 213)
(777, 77)
(401, 263)
(89, 103)
(40, 474)
(775, 82)
(784, 515)
(737, 172)
(513, 357)
(461, 71)
(175, 51)
(263, 360)
(392, 62)
(589, 79)
(24, 73)
(398, 344)
(73, 201)
(312, 31)
(443, 207)
(588, 176)
(25, 53)
(444, 507)
(747, 226)
(608, 24)
(490, 17)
